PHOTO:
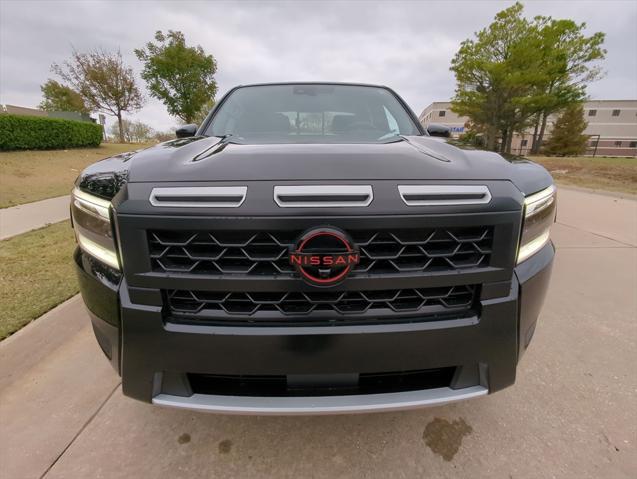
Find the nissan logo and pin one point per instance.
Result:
(324, 256)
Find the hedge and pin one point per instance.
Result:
(18, 132)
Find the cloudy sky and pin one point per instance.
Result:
(406, 45)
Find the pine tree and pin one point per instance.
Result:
(567, 138)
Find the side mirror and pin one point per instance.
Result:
(186, 131)
(435, 129)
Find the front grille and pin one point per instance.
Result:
(320, 385)
(319, 306)
(266, 253)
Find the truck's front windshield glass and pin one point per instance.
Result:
(313, 113)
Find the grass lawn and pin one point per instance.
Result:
(33, 175)
(36, 274)
(613, 174)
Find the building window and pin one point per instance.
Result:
(524, 142)
(618, 143)
(442, 113)
(592, 112)
(633, 144)
(616, 112)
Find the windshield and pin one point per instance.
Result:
(311, 114)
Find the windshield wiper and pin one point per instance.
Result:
(421, 148)
(228, 138)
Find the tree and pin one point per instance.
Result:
(490, 86)
(182, 77)
(162, 136)
(203, 112)
(516, 72)
(133, 131)
(567, 138)
(58, 97)
(141, 132)
(121, 130)
(473, 135)
(103, 81)
(568, 62)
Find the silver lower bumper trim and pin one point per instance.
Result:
(319, 404)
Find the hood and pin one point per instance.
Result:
(419, 158)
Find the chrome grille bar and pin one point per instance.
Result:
(444, 195)
(199, 196)
(322, 196)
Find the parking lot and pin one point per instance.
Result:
(572, 412)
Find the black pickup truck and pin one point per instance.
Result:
(308, 249)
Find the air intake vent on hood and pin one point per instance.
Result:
(199, 196)
(437, 195)
(319, 196)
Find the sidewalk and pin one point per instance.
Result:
(53, 380)
(22, 218)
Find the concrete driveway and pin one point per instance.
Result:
(572, 413)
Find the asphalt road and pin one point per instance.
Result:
(572, 412)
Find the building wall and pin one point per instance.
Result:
(21, 110)
(440, 112)
(66, 115)
(612, 125)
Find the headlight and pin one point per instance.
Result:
(92, 225)
(539, 215)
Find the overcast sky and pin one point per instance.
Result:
(405, 45)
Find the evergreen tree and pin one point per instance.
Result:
(567, 138)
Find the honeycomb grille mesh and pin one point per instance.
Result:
(266, 253)
(338, 303)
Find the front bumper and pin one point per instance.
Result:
(320, 404)
(154, 357)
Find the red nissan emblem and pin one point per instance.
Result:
(324, 256)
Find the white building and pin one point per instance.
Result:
(612, 126)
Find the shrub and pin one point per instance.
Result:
(19, 132)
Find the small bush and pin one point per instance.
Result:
(19, 132)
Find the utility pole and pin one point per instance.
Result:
(102, 118)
